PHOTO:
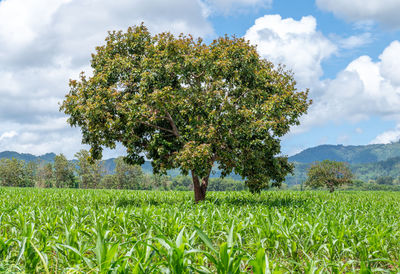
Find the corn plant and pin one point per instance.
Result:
(113, 231)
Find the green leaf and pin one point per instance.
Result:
(205, 239)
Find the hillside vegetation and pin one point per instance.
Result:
(350, 154)
(369, 162)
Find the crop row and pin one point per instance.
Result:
(109, 231)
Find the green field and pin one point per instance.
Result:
(108, 231)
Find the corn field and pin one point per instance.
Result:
(110, 231)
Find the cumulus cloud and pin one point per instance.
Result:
(390, 65)
(363, 89)
(297, 44)
(383, 11)
(43, 43)
(8, 134)
(387, 136)
(355, 41)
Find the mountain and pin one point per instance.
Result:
(109, 164)
(351, 154)
(368, 162)
(48, 157)
(365, 172)
(372, 171)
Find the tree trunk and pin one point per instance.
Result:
(199, 187)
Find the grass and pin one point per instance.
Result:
(109, 231)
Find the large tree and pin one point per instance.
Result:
(189, 105)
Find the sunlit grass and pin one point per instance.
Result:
(81, 231)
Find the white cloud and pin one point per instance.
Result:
(390, 65)
(387, 137)
(355, 41)
(383, 11)
(8, 135)
(44, 43)
(297, 44)
(363, 89)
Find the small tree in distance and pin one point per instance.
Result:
(185, 104)
(329, 174)
(89, 172)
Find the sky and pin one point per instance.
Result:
(347, 53)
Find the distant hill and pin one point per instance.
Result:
(48, 157)
(350, 154)
(372, 171)
(364, 172)
(368, 162)
(109, 164)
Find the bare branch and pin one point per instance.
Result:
(172, 123)
(198, 75)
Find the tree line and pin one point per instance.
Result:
(87, 174)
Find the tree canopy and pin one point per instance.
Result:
(330, 174)
(186, 104)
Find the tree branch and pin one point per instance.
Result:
(172, 123)
(174, 130)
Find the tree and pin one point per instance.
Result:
(63, 172)
(385, 180)
(12, 172)
(31, 169)
(330, 174)
(108, 181)
(158, 181)
(185, 104)
(90, 172)
(127, 176)
(45, 175)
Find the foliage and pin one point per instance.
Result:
(329, 174)
(384, 180)
(45, 175)
(18, 173)
(63, 172)
(369, 186)
(117, 231)
(31, 169)
(185, 104)
(365, 172)
(127, 176)
(90, 172)
(12, 172)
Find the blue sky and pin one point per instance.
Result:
(346, 52)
